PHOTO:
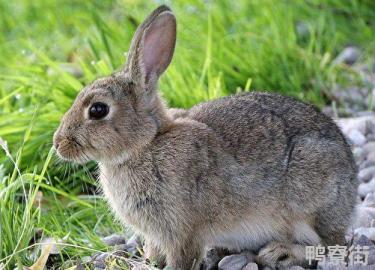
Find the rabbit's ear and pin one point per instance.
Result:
(152, 47)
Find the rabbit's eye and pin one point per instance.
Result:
(98, 110)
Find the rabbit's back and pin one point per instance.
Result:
(257, 126)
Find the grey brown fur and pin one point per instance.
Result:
(253, 171)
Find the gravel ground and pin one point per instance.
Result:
(357, 106)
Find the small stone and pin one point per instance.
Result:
(114, 239)
(367, 174)
(365, 217)
(251, 266)
(369, 147)
(365, 188)
(371, 157)
(369, 200)
(357, 137)
(359, 155)
(296, 267)
(370, 137)
(99, 264)
(362, 240)
(368, 232)
(135, 240)
(365, 164)
(348, 56)
(233, 262)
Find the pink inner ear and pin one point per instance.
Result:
(158, 46)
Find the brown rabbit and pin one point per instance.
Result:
(253, 171)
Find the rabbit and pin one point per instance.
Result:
(253, 171)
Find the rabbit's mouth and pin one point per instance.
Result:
(71, 150)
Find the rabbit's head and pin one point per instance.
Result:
(116, 116)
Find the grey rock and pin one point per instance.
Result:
(365, 188)
(296, 267)
(362, 240)
(114, 239)
(367, 163)
(233, 262)
(369, 200)
(357, 137)
(365, 217)
(365, 175)
(99, 264)
(251, 266)
(135, 240)
(371, 157)
(370, 137)
(361, 267)
(369, 147)
(368, 232)
(370, 127)
(348, 56)
(302, 29)
(359, 155)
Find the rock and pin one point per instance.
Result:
(365, 188)
(368, 232)
(370, 127)
(358, 123)
(359, 155)
(365, 164)
(114, 239)
(233, 262)
(302, 30)
(369, 200)
(251, 266)
(370, 137)
(348, 56)
(369, 147)
(371, 157)
(365, 217)
(365, 175)
(296, 267)
(362, 240)
(135, 240)
(357, 137)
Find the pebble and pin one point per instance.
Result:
(362, 240)
(251, 266)
(365, 188)
(296, 268)
(368, 232)
(365, 164)
(365, 217)
(365, 175)
(369, 201)
(348, 56)
(233, 262)
(114, 239)
(356, 137)
(371, 157)
(369, 147)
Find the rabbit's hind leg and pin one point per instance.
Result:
(279, 255)
(284, 254)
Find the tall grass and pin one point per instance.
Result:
(50, 49)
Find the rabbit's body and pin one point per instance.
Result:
(239, 172)
(253, 171)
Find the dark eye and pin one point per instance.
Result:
(98, 110)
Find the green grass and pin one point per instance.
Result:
(50, 49)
